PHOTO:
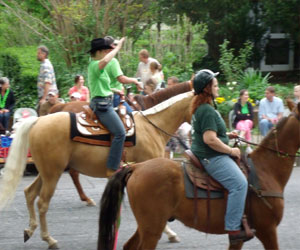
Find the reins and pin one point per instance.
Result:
(281, 153)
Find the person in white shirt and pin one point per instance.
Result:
(270, 110)
(143, 70)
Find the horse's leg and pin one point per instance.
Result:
(47, 190)
(172, 236)
(31, 192)
(268, 237)
(75, 177)
(236, 246)
(149, 239)
(133, 242)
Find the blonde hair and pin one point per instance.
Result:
(297, 87)
(152, 83)
(144, 53)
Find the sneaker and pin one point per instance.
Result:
(241, 237)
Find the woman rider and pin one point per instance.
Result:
(102, 52)
(210, 145)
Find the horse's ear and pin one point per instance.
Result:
(291, 105)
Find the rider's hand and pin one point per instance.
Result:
(232, 135)
(235, 152)
(120, 43)
(139, 86)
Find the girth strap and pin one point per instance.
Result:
(262, 194)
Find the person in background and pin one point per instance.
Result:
(117, 78)
(46, 79)
(75, 97)
(80, 88)
(243, 113)
(270, 110)
(150, 86)
(102, 52)
(297, 94)
(46, 106)
(7, 102)
(172, 81)
(143, 70)
(210, 146)
(155, 70)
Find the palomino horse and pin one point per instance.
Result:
(158, 185)
(52, 150)
(143, 102)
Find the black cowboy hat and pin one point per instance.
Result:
(100, 44)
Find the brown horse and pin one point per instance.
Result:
(158, 185)
(143, 102)
(52, 150)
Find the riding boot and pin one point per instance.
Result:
(236, 237)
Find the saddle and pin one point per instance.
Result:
(88, 124)
(201, 178)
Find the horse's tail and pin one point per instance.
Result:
(110, 208)
(15, 162)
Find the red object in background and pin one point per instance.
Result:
(4, 152)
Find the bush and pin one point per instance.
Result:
(233, 66)
(255, 83)
(19, 64)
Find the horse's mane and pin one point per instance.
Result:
(149, 101)
(167, 103)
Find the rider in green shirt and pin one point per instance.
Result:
(210, 145)
(102, 52)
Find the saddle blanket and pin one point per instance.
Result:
(100, 140)
(200, 193)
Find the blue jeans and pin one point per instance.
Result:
(265, 126)
(223, 169)
(4, 119)
(110, 119)
(117, 100)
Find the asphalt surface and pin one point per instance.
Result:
(75, 225)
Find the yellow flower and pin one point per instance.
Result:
(234, 100)
(220, 99)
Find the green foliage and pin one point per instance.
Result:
(231, 65)
(19, 64)
(284, 91)
(255, 83)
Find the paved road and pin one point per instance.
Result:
(74, 225)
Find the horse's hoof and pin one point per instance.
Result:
(174, 239)
(91, 203)
(53, 246)
(26, 236)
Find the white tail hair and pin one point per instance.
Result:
(15, 162)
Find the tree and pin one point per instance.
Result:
(236, 21)
(71, 24)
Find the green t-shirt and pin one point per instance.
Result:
(207, 118)
(99, 81)
(113, 70)
(245, 109)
